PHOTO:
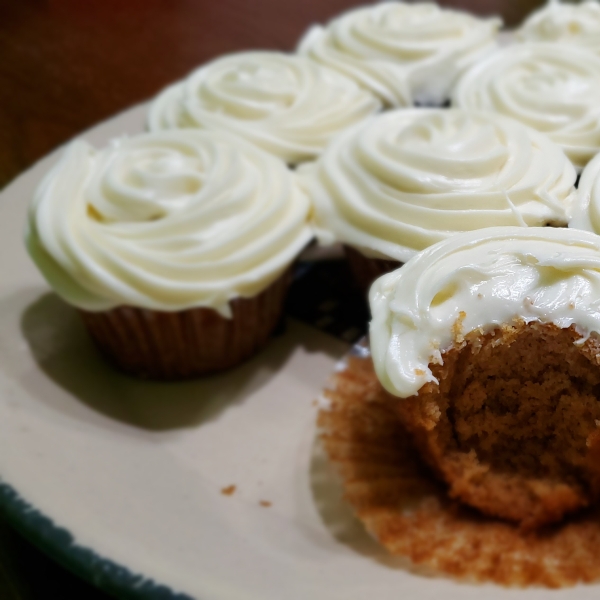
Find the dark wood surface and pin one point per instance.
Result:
(68, 64)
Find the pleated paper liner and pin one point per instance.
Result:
(407, 510)
(175, 345)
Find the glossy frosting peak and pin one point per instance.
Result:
(476, 282)
(554, 88)
(287, 105)
(402, 52)
(166, 221)
(410, 178)
(564, 22)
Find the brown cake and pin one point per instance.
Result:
(513, 425)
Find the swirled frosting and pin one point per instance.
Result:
(564, 22)
(410, 178)
(586, 206)
(166, 221)
(402, 52)
(554, 88)
(476, 282)
(287, 105)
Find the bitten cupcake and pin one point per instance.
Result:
(286, 105)
(563, 22)
(554, 88)
(174, 247)
(404, 53)
(410, 178)
(490, 341)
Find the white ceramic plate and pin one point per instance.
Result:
(121, 480)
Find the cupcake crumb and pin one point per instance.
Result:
(265, 503)
(229, 490)
(458, 327)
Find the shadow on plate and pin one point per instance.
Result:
(64, 352)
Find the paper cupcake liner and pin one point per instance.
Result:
(366, 270)
(408, 511)
(175, 345)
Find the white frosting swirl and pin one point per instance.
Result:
(554, 88)
(166, 221)
(586, 207)
(287, 105)
(403, 52)
(410, 178)
(476, 282)
(566, 23)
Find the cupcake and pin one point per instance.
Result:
(407, 179)
(403, 53)
(567, 23)
(554, 88)
(174, 247)
(490, 342)
(286, 105)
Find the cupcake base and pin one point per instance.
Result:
(366, 270)
(177, 345)
(409, 511)
(513, 426)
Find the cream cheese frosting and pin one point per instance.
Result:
(166, 221)
(565, 23)
(586, 207)
(554, 88)
(478, 281)
(407, 179)
(287, 105)
(402, 52)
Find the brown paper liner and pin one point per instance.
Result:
(404, 507)
(366, 270)
(175, 345)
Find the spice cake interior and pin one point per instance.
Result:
(513, 426)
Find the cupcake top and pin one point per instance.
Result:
(586, 205)
(402, 52)
(566, 23)
(166, 221)
(287, 105)
(554, 88)
(476, 282)
(407, 179)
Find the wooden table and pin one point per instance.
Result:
(67, 64)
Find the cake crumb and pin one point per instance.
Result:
(458, 327)
(229, 490)
(315, 403)
(265, 503)
(419, 372)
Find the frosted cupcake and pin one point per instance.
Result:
(286, 105)
(554, 88)
(174, 247)
(410, 178)
(566, 23)
(490, 342)
(404, 53)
